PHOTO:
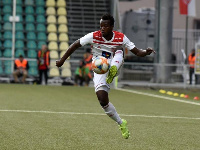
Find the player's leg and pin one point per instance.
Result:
(102, 89)
(116, 63)
(107, 106)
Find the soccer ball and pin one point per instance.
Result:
(100, 65)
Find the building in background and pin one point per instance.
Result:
(141, 27)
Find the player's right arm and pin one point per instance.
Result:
(70, 50)
(87, 39)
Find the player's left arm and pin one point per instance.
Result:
(141, 52)
(138, 52)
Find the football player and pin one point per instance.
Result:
(105, 42)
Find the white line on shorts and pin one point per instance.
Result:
(158, 96)
(97, 114)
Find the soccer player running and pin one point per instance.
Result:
(105, 42)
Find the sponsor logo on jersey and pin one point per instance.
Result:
(106, 54)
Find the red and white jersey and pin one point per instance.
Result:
(100, 46)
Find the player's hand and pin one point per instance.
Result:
(59, 63)
(149, 51)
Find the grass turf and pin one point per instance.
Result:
(34, 130)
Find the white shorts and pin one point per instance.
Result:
(100, 82)
(100, 79)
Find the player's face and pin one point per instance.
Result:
(105, 27)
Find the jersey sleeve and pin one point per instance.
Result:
(87, 39)
(128, 44)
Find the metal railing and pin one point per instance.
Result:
(146, 72)
(179, 42)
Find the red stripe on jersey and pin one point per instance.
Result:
(118, 36)
(98, 36)
(106, 43)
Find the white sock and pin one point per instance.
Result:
(112, 113)
(117, 59)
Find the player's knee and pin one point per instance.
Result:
(119, 53)
(103, 102)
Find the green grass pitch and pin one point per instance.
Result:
(36, 129)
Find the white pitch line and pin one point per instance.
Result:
(98, 114)
(163, 117)
(158, 96)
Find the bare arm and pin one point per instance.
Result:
(142, 53)
(70, 50)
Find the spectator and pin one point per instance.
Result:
(88, 59)
(21, 66)
(43, 63)
(82, 74)
(191, 61)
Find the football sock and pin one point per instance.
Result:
(117, 59)
(112, 113)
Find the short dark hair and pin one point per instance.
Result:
(108, 17)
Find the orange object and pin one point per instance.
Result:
(196, 98)
(191, 60)
(186, 96)
(21, 64)
(88, 60)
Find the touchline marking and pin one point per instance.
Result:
(97, 114)
(158, 96)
